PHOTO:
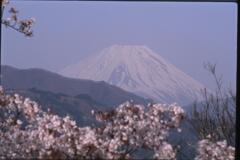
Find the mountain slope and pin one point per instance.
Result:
(22, 79)
(140, 70)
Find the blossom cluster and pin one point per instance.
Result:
(26, 131)
(22, 26)
(208, 149)
(29, 132)
(131, 127)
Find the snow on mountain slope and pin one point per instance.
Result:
(140, 70)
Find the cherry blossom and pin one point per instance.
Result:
(12, 21)
(26, 131)
(207, 149)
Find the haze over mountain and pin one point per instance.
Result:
(101, 92)
(140, 70)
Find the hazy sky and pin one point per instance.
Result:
(186, 34)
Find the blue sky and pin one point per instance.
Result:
(186, 34)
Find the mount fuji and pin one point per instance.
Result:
(140, 70)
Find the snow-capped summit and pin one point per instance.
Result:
(138, 69)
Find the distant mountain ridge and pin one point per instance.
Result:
(23, 79)
(140, 70)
